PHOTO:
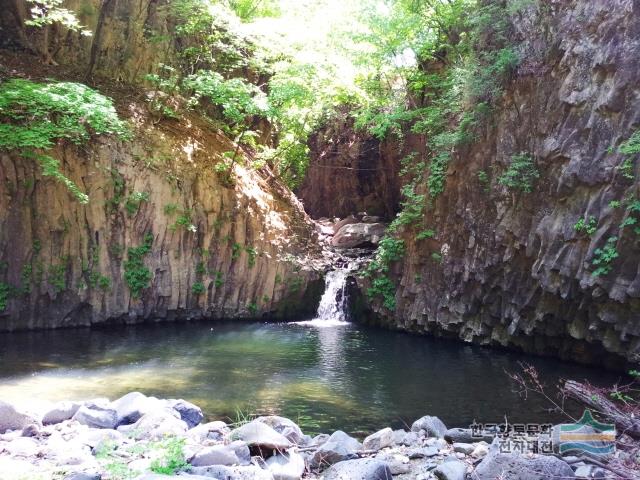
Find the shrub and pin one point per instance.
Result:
(5, 290)
(520, 174)
(589, 227)
(33, 116)
(198, 288)
(385, 288)
(172, 457)
(136, 274)
(428, 233)
(603, 257)
(134, 200)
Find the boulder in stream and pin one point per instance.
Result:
(432, 426)
(12, 419)
(358, 235)
(337, 448)
(359, 469)
(259, 434)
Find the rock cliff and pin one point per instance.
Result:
(516, 269)
(350, 172)
(157, 207)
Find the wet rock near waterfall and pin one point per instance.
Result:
(359, 235)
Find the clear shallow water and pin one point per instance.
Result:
(345, 377)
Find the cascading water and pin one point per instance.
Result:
(334, 300)
(332, 310)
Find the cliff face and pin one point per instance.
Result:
(215, 251)
(212, 249)
(510, 268)
(350, 173)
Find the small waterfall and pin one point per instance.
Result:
(333, 303)
(332, 310)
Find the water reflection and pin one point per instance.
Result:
(347, 377)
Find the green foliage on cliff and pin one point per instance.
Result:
(587, 226)
(390, 250)
(48, 12)
(520, 174)
(136, 274)
(35, 116)
(5, 290)
(630, 148)
(603, 257)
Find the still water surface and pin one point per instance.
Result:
(345, 377)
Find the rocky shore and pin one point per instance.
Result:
(145, 438)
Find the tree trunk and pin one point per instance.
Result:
(625, 422)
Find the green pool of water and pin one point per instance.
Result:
(344, 377)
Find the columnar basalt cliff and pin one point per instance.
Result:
(511, 268)
(213, 248)
(350, 172)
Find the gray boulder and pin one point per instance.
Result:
(221, 472)
(215, 431)
(286, 466)
(93, 437)
(60, 412)
(158, 476)
(345, 221)
(320, 439)
(381, 439)
(360, 469)
(285, 427)
(432, 426)
(236, 453)
(259, 434)
(337, 448)
(83, 476)
(358, 234)
(466, 448)
(451, 470)
(466, 435)
(132, 406)
(96, 416)
(22, 447)
(510, 466)
(189, 413)
(12, 419)
(156, 425)
(423, 452)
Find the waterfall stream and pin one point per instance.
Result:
(332, 310)
(334, 301)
